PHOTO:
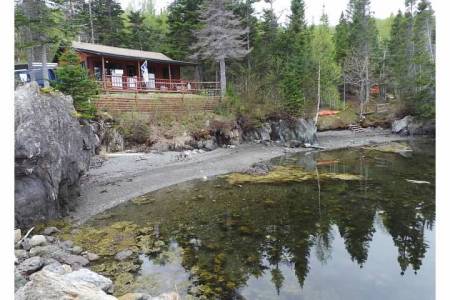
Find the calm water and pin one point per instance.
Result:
(320, 239)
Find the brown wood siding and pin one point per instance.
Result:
(174, 105)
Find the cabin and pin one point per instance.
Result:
(129, 70)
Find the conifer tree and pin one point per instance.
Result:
(73, 79)
(296, 83)
(183, 20)
(221, 38)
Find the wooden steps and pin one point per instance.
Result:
(356, 128)
(383, 107)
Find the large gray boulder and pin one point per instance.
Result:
(52, 151)
(401, 126)
(299, 130)
(52, 285)
(410, 125)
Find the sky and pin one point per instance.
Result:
(381, 8)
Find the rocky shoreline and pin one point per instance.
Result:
(50, 268)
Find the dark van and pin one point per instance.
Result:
(22, 74)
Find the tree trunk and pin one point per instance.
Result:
(361, 99)
(91, 22)
(344, 91)
(44, 66)
(430, 43)
(367, 82)
(223, 78)
(316, 119)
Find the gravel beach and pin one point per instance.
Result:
(118, 177)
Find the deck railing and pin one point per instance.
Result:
(113, 83)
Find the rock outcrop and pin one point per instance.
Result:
(284, 131)
(410, 125)
(52, 151)
(47, 284)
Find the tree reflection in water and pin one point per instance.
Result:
(249, 230)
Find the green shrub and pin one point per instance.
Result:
(134, 128)
(73, 79)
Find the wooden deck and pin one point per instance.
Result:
(127, 84)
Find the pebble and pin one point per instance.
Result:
(38, 240)
(92, 256)
(76, 250)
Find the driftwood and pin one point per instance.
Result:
(418, 181)
(25, 236)
(313, 146)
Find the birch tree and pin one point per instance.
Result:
(323, 57)
(221, 38)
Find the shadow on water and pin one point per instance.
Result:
(317, 239)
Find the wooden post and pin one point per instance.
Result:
(103, 73)
(170, 78)
(138, 75)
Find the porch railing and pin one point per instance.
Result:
(113, 83)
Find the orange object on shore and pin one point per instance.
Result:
(328, 112)
(375, 90)
(326, 162)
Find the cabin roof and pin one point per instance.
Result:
(126, 53)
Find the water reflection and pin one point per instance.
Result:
(236, 240)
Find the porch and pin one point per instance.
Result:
(135, 71)
(135, 84)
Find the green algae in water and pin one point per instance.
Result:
(107, 240)
(286, 174)
(263, 240)
(393, 147)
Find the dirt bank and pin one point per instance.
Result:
(122, 176)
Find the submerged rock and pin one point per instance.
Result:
(51, 153)
(393, 147)
(122, 255)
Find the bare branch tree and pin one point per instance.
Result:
(356, 68)
(221, 38)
